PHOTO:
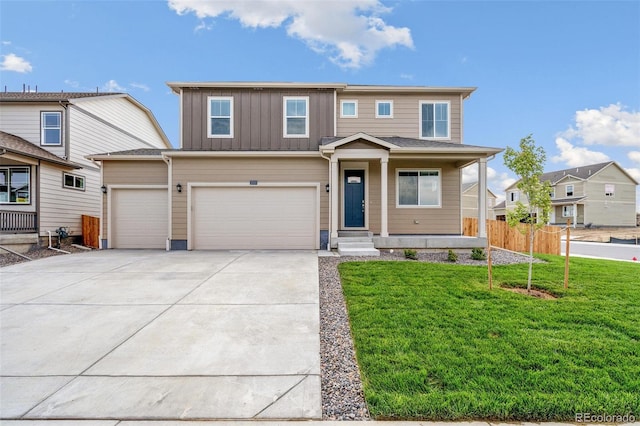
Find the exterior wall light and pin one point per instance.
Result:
(179, 187)
(326, 187)
(103, 189)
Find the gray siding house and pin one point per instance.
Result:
(602, 194)
(46, 181)
(299, 165)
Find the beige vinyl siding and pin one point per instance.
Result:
(257, 120)
(125, 115)
(578, 188)
(148, 172)
(406, 113)
(243, 170)
(61, 206)
(619, 210)
(439, 220)
(23, 120)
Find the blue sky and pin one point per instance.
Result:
(566, 71)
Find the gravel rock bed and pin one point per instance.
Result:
(36, 252)
(342, 394)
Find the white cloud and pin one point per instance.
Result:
(13, 62)
(350, 32)
(202, 26)
(634, 156)
(72, 83)
(113, 86)
(574, 156)
(611, 125)
(6, 43)
(140, 86)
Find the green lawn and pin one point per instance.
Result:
(433, 342)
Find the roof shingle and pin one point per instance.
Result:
(17, 145)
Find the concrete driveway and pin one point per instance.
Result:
(161, 335)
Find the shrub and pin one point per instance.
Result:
(452, 256)
(478, 253)
(410, 254)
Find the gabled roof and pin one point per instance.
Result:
(469, 185)
(582, 173)
(50, 96)
(17, 145)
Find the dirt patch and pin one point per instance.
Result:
(540, 294)
(603, 235)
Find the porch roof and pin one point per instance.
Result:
(570, 200)
(17, 145)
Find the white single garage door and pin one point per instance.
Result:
(139, 218)
(254, 217)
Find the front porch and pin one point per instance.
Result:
(423, 242)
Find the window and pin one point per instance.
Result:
(567, 211)
(220, 117)
(15, 185)
(552, 193)
(384, 109)
(418, 188)
(296, 117)
(514, 196)
(609, 190)
(434, 120)
(51, 133)
(348, 109)
(73, 181)
(569, 190)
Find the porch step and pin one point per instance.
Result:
(349, 247)
(355, 234)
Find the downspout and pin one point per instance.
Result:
(67, 131)
(167, 160)
(330, 206)
(37, 180)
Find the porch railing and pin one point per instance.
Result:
(18, 222)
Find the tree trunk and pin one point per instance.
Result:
(532, 235)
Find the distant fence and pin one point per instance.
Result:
(18, 222)
(90, 231)
(500, 234)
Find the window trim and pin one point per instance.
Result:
(566, 190)
(210, 116)
(344, 101)
(419, 206)
(434, 137)
(43, 128)
(384, 101)
(15, 203)
(513, 199)
(567, 207)
(612, 190)
(285, 117)
(75, 178)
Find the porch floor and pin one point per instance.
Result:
(435, 242)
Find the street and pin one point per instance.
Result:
(602, 250)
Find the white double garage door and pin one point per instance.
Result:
(278, 216)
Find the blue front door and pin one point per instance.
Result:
(354, 198)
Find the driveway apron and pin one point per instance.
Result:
(161, 336)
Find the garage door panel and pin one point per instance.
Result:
(139, 218)
(254, 217)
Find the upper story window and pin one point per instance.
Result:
(73, 181)
(569, 190)
(15, 185)
(419, 188)
(51, 132)
(552, 193)
(609, 190)
(220, 117)
(514, 196)
(296, 117)
(384, 109)
(434, 120)
(348, 109)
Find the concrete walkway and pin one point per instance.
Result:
(153, 335)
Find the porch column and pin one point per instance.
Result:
(334, 185)
(384, 232)
(575, 214)
(482, 197)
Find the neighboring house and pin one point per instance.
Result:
(601, 194)
(46, 181)
(470, 201)
(298, 165)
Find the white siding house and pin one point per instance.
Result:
(46, 137)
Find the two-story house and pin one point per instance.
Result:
(470, 201)
(601, 194)
(298, 165)
(46, 181)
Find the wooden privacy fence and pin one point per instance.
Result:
(90, 231)
(500, 234)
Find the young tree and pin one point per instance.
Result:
(528, 164)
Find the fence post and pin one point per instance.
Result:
(489, 255)
(566, 256)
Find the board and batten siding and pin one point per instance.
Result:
(243, 170)
(149, 172)
(23, 120)
(125, 115)
(60, 206)
(257, 120)
(406, 115)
